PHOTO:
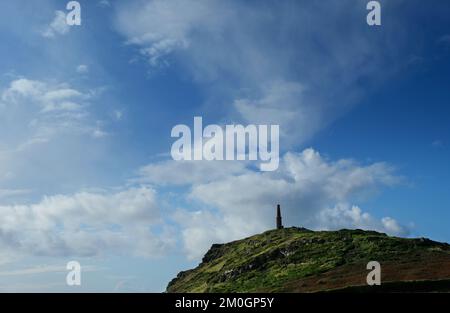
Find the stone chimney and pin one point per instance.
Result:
(279, 221)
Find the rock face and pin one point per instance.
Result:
(299, 260)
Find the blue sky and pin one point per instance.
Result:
(86, 114)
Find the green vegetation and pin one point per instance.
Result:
(279, 259)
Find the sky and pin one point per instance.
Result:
(86, 114)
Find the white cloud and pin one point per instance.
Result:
(35, 111)
(59, 97)
(85, 224)
(391, 226)
(58, 26)
(200, 229)
(346, 216)
(98, 133)
(104, 3)
(82, 69)
(282, 103)
(313, 191)
(117, 115)
(160, 27)
(48, 132)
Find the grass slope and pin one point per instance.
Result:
(299, 260)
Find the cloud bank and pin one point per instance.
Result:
(85, 224)
(314, 193)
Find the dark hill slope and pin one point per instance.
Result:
(300, 260)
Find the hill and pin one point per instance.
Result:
(300, 260)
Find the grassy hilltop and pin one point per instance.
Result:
(299, 260)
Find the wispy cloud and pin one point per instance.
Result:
(437, 143)
(58, 26)
(82, 69)
(6, 193)
(302, 84)
(39, 111)
(44, 270)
